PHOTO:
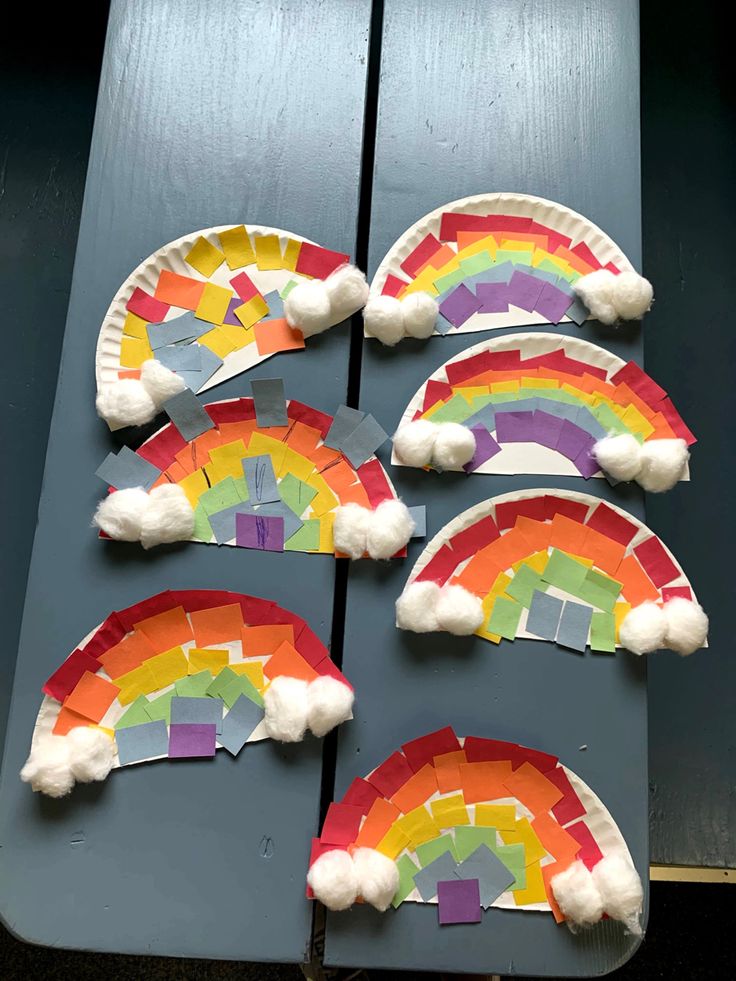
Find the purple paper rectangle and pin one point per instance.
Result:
(460, 305)
(524, 290)
(547, 429)
(459, 901)
(259, 531)
(573, 440)
(515, 427)
(552, 303)
(493, 297)
(586, 462)
(192, 739)
(485, 447)
(230, 317)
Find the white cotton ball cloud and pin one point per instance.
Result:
(383, 319)
(133, 401)
(162, 515)
(419, 313)
(285, 706)
(686, 628)
(125, 403)
(329, 702)
(454, 446)
(611, 297)
(48, 768)
(377, 877)
(316, 305)
(389, 319)
(620, 889)
(333, 879)
(643, 629)
(91, 753)
(632, 295)
(389, 529)
(416, 608)
(120, 514)
(663, 463)
(169, 517)
(414, 442)
(577, 895)
(444, 445)
(381, 532)
(619, 456)
(459, 612)
(350, 529)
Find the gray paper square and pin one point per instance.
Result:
(186, 412)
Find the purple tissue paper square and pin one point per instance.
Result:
(493, 297)
(192, 739)
(515, 427)
(586, 462)
(459, 306)
(547, 429)
(263, 532)
(552, 303)
(573, 440)
(524, 290)
(230, 317)
(459, 901)
(485, 447)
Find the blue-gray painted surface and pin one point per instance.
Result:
(203, 118)
(543, 98)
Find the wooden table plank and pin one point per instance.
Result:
(206, 114)
(540, 97)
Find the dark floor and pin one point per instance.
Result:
(686, 939)
(45, 125)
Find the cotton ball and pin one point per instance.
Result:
(419, 311)
(663, 463)
(643, 629)
(285, 704)
(687, 625)
(632, 295)
(348, 291)
(414, 442)
(454, 446)
(125, 403)
(307, 307)
(390, 528)
(596, 292)
(160, 382)
(350, 529)
(47, 769)
(91, 753)
(329, 702)
(458, 611)
(169, 516)
(416, 608)
(120, 514)
(577, 895)
(333, 879)
(620, 888)
(619, 456)
(378, 877)
(384, 319)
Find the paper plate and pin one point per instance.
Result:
(553, 382)
(426, 255)
(172, 258)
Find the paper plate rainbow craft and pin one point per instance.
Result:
(472, 823)
(180, 674)
(539, 403)
(553, 565)
(260, 486)
(209, 305)
(498, 260)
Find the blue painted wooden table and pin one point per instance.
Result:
(534, 97)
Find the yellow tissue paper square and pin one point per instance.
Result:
(450, 811)
(237, 247)
(253, 671)
(193, 485)
(203, 659)
(213, 303)
(168, 667)
(502, 817)
(252, 311)
(135, 326)
(268, 252)
(291, 254)
(217, 342)
(205, 257)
